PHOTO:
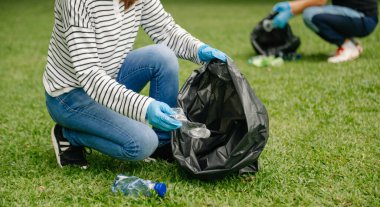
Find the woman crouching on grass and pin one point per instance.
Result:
(92, 78)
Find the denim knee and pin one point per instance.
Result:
(144, 145)
(308, 15)
(166, 58)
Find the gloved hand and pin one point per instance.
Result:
(282, 6)
(158, 116)
(284, 14)
(207, 53)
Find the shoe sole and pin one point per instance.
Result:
(352, 58)
(56, 148)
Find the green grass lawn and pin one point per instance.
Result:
(324, 144)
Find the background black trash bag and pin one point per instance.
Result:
(219, 96)
(272, 41)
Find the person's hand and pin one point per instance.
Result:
(207, 53)
(158, 115)
(284, 14)
(282, 6)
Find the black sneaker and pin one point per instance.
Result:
(66, 153)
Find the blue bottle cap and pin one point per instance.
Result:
(160, 188)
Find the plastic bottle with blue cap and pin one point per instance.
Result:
(134, 186)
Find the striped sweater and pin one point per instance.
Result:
(90, 41)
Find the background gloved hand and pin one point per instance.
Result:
(207, 53)
(284, 14)
(158, 115)
(282, 6)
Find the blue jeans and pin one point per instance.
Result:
(336, 23)
(90, 124)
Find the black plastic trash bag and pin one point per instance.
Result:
(267, 40)
(219, 96)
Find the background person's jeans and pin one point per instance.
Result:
(87, 123)
(336, 23)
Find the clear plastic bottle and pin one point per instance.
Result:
(193, 129)
(132, 185)
(268, 25)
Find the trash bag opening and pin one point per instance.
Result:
(216, 102)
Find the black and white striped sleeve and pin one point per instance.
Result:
(81, 42)
(161, 28)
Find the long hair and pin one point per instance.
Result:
(128, 3)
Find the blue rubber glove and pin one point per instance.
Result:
(284, 14)
(282, 6)
(207, 53)
(158, 116)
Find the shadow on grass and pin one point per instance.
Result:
(317, 57)
(171, 172)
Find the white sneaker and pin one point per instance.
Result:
(348, 51)
(149, 159)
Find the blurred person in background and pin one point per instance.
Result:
(339, 23)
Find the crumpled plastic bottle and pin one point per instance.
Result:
(268, 25)
(265, 61)
(193, 129)
(134, 186)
